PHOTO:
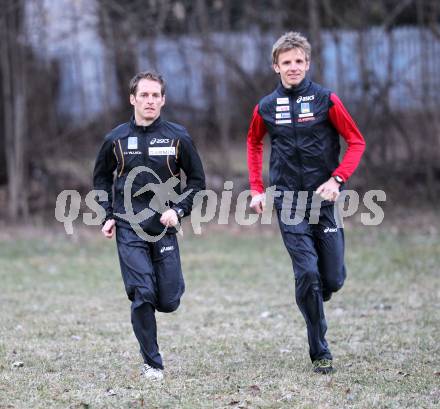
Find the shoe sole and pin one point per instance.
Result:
(324, 371)
(153, 379)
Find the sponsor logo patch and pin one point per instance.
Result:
(155, 140)
(330, 230)
(162, 151)
(310, 118)
(283, 121)
(306, 98)
(305, 107)
(305, 115)
(282, 108)
(132, 142)
(282, 115)
(133, 153)
(281, 101)
(167, 248)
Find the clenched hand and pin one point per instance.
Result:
(169, 218)
(329, 190)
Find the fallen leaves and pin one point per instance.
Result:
(383, 307)
(17, 364)
(254, 390)
(287, 397)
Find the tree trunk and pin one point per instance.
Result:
(13, 72)
(316, 39)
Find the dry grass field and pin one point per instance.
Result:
(237, 341)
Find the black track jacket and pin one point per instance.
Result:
(165, 148)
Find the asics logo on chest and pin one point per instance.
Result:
(305, 99)
(155, 140)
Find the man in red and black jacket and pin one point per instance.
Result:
(304, 122)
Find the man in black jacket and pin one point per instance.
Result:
(148, 153)
(304, 121)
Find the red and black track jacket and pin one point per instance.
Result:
(304, 124)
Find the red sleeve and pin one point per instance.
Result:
(346, 127)
(257, 130)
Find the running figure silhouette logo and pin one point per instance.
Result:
(164, 193)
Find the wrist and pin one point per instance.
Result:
(338, 179)
(256, 193)
(179, 211)
(107, 218)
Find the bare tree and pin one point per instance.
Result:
(14, 84)
(316, 38)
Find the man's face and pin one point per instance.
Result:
(292, 67)
(148, 100)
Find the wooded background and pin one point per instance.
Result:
(65, 67)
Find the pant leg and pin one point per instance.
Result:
(141, 287)
(300, 244)
(168, 272)
(144, 326)
(330, 246)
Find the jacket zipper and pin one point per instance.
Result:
(297, 150)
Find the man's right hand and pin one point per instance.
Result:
(109, 228)
(258, 203)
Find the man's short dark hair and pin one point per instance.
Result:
(147, 75)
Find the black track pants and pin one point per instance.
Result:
(317, 253)
(153, 280)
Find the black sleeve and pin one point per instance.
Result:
(105, 165)
(189, 160)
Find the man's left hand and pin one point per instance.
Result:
(329, 190)
(169, 218)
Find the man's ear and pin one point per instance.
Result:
(276, 68)
(163, 101)
(132, 99)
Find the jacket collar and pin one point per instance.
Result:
(297, 90)
(141, 128)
